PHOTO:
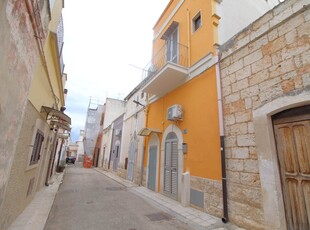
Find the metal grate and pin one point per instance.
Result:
(158, 216)
(114, 188)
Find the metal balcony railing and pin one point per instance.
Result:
(175, 53)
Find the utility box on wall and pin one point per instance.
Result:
(175, 113)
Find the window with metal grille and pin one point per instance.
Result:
(35, 156)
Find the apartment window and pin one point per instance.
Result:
(35, 156)
(197, 22)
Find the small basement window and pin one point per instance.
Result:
(196, 22)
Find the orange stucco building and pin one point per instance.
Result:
(184, 155)
(183, 148)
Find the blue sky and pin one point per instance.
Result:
(103, 39)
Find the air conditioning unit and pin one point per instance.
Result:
(175, 113)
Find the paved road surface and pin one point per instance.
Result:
(89, 200)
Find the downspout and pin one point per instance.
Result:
(59, 153)
(188, 39)
(51, 160)
(222, 136)
(111, 146)
(144, 143)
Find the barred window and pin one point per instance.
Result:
(35, 156)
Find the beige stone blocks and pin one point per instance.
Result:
(213, 198)
(240, 152)
(246, 215)
(235, 66)
(273, 34)
(235, 165)
(261, 64)
(238, 129)
(274, 46)
(253, 57)
(233, 97)
(289, 25)
(272, 62)
(246, 140)
(239, 85)
(280, 15)
(250, 91)
(243, 73)
(306, 79)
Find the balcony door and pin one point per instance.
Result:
(172, 47)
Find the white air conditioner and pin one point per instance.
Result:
(174, 113)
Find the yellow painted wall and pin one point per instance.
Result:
(202, 41)
(40, 91)
(198, 98)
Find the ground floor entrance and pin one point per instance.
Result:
(171, 166)
(292, 135)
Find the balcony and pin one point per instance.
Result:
(167, 70)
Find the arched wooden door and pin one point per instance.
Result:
(292, 135)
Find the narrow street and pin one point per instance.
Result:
(90, 200)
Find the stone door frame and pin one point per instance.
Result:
(272, 201)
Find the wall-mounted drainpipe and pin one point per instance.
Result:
(222, 136)
(144, 151)
(111, 146)
(51, 160)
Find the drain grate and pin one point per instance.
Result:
(158, 216)
(114, 188)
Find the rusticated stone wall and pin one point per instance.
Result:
(213, 198)
(122, 172)
(268, 60)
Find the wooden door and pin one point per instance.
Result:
(292, 135)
